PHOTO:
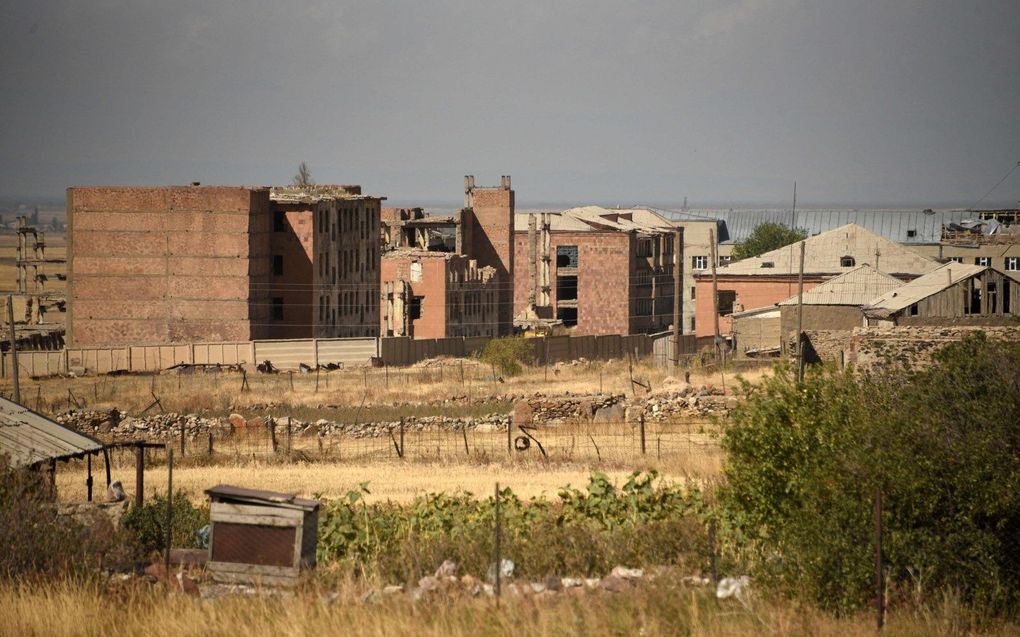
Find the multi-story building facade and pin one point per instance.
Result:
(218, 263)
(596, 270)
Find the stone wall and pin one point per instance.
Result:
(875, 348)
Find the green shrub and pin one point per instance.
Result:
(147, 524)
(34, 538)
(805, 460)
(508, 354)
(582, 533)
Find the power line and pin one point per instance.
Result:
(997, 184)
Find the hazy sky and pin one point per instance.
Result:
(863, 102)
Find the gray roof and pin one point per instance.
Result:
(823, 255)
(29, 438)
(895, 225)
(921, 288)
(856, 287)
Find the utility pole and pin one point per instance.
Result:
(678, 291)
(14, 348)
(800, 317)
(793, 226)
(715, 294)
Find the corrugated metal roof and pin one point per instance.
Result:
(857, 287)
(911, 227)
(29, 438)
(921, 288)
(594, 218)
(823, 254)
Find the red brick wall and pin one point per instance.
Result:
(294, 244)
(432, 287)
(171, 264)
(752, 293)
(488, 238)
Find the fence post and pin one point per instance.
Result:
(139, 474)
(401, 437)
(272, 435)
(210, 444)
(182, 436)
(290, 444)
(499, 565)
(510, 435)
(641, 422)
(88, 480)
(169, 512)
(879, 576)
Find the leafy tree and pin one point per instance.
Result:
(805, 460)
(508, 353)
(766, 237)
(303, 176)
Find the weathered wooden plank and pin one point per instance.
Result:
(253, 520)
(256, 511)
(252, 569)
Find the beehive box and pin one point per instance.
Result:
(260, 537)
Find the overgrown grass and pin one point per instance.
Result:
(666, 607)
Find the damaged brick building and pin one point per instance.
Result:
(601, 271)
(449, 276)
(196, 263)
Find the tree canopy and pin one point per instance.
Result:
(767, 236)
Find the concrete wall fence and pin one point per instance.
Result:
(290, 354)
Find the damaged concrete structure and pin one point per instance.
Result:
(182, 264)
(598, 270)
(447, 276)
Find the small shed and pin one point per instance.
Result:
(260, 536)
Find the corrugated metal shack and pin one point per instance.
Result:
(260, 537)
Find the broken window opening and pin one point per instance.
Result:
(277, 264)
(726, 300)
(566, 256)
(847, 261)
(568, 315)
(414, 309)
(276, 311)
(566, 288)
(279, 221)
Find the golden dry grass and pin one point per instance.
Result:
(388, 480)
(64, 609)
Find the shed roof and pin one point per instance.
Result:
(230, 493)
(30, 438)
(823, 254)
(857, 287)
(921, 288)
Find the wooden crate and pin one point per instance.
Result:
(260, 537)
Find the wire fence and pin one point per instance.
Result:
(678, 443)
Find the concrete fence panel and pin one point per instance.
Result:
(37, 364)
(349, 351)
(287, 354)
(101, 360)
(222, 353)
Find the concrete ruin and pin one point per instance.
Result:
(183, 264)
(449, 276)
(597, 270)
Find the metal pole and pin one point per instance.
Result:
(88, 480)
(499, 565)
(678, 292)
(182, 436)
(800, 317)
(641, 422)
(401, 437)
(169, 510)
(139, 474)
(509, 435)
(14, 348)
(879, 579)
(715, 293)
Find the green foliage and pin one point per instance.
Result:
(508, 354)
(34, 538)
(584, 532)
(942, 445)
(766, 237)
(147, 523)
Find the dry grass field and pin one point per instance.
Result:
(435, 461)
(665, 607)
